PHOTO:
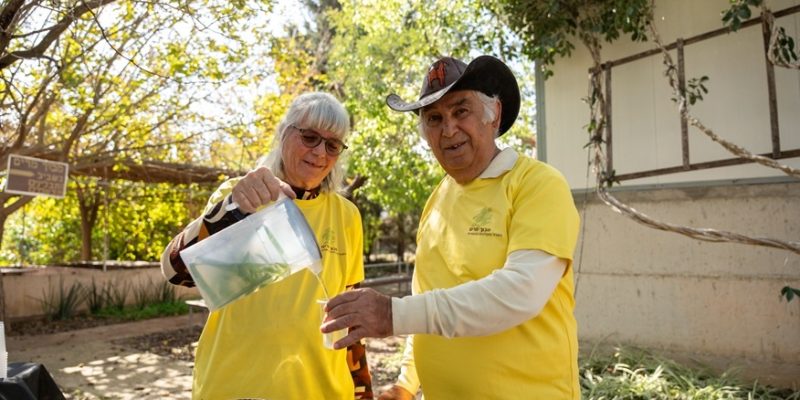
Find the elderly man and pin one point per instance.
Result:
(492, 307)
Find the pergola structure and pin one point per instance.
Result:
(152, 171)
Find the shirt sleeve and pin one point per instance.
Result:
(408, 378)
(505, 298)
(216, 218)
(544, 216)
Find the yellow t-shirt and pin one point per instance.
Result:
(465, 233)
(268, 344)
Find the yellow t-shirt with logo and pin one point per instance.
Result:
(268, 344)
(465, 233)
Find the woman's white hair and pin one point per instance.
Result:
(318, 111)
(489, 115)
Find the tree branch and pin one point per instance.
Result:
(38, 50)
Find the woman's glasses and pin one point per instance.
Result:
(312, 139)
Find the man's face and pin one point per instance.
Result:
(461, 141)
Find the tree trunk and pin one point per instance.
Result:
(2, 290)
(401, 237)
(88, 203)
(3, 304)
(86, 239)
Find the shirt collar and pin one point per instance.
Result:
(303, 194)
(501, 163)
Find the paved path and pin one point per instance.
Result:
(95, 363)
(87, 365)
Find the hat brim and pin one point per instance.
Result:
(485, 74)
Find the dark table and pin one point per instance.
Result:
(29, 381)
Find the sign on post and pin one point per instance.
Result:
(36, 177)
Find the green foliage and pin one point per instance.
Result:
(164, 292)
(59, 303)
(117, 295)
(384, 47)
(95, 297)
(138, 223)
(146, 293)
(635, 374)
(695, 89)
(47, 230)
(129, 81)
(785, 47)
(108, 300)
(738, 12)
(548, 28)
(152, 310)
(789, 293)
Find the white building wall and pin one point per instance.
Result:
(645, 122)
(718, 303)
(713, 302)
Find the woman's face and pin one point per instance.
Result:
(306, 164)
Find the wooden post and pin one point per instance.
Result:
(3, 305)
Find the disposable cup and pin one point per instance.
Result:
(328, 339)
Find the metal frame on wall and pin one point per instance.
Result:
(777, 153)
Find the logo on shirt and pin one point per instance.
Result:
(327, 243)
(480, 223)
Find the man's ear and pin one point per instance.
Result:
(498, 112)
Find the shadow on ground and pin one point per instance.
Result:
(150, 359)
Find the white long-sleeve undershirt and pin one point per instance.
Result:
(503, 299)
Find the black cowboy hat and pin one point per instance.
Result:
(485, 74)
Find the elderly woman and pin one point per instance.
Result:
(268, 344)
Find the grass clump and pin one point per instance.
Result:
(632, 374)
(137, 313)
(109, 300)
(62, 303)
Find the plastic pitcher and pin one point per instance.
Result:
(265, 247)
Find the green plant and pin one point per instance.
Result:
(58, 303)
(696, 88)
(790, 292)
(738, 12)
(147, 292)
(165, 293)
(142, 294)
(636, 374)
(152, 310)
(116, 295)
(95, 297)
(785, 47)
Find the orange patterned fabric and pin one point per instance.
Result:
(359, 369)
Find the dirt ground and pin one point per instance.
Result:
(149, 359)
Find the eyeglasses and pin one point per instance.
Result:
(312, 139)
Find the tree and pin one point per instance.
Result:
(382, 47)
(119, 91)
(134, 222)
(61, 61)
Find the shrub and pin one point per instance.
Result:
(59, 303)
